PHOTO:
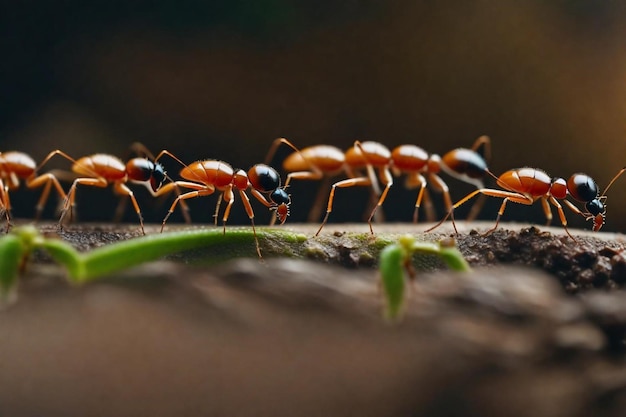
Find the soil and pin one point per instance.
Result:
(538, 328)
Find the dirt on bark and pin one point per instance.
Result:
(538, 328)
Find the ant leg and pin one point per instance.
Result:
(119, 210)
(86, 169)
(559, 209)
(476, 208)
(431, 215)
(500, 213)
(514, 197)
(351, 182)
(388, 183)
(217, 209)
(184, 207)
(454, 206)
(275, 144)
(176, 185)
(250, 212)
(48, 180)
(314, 173)
(123, 190)
(511, 196)
(259, 196)
(177, 159)
(201, 191)
(546, 210)
(229, 198)
(307, 175)
(482, 146)
(316, 209)
(439, 184)
(416, 180)
(574, 208)
(5, 205)
(71, 195)
(371, 174)
(5, 201)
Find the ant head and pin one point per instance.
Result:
(597, 212)
(582, 188)
(282, 201)
(158, 177)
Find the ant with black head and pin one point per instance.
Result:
(421, 169)
(101, 169)
(204, 177)
(317, 161)
(527, 185)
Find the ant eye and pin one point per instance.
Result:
(582, 187)
(280, 196)
(595, 207)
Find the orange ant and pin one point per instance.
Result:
(206, 176)
(100, 170)
(527, 185)
(314, 162)
(311, 163)
(16, 165)
(319, 161)
(467, 165)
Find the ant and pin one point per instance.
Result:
(100, 170)
(527, 185)
(464, 164)
(311, 163)
(319, 161)
(467, 165)
(16, 165)
(206, 176)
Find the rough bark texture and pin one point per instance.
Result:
(299, 337)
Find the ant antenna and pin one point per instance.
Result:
(621, 171)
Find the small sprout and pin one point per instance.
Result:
(11, 255)
(396, 258)
(15, 248)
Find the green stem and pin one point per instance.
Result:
(107, 259)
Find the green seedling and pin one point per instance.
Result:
(396, 260)
(16, 247)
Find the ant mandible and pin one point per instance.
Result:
(527, 185)
(206, 176)
(16, 165)
(100, 170)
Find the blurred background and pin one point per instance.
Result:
(546, 80)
